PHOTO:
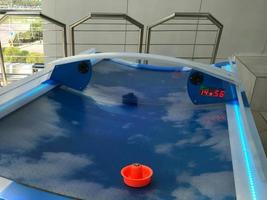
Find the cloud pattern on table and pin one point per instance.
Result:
(61, 178)
(179, 108)
(57, 171)
(28, 137)
(215, 186)
(110, 95)
(179, 112)
(219, 140)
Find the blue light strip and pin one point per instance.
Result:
(246, 153)
(25, 96)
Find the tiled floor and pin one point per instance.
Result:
(261, 123)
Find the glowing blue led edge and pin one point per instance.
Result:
(247, 156)
(26, 95)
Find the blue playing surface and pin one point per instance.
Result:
(75, 143)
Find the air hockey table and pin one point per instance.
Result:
(67, 131)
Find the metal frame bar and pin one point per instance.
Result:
(33, 14)
(2, 65)
(108, 16)
(43, 16)
(184, 16)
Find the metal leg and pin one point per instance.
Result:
(2, 65)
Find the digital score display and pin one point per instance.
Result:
(211, 92)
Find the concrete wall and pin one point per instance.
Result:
(244, 21)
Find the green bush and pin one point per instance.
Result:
(37, 28)
(11, 54)
(23, 58)
(15, 3)
(34, 57)
(15, 55)
(34, 34)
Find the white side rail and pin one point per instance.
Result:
(213, 71)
